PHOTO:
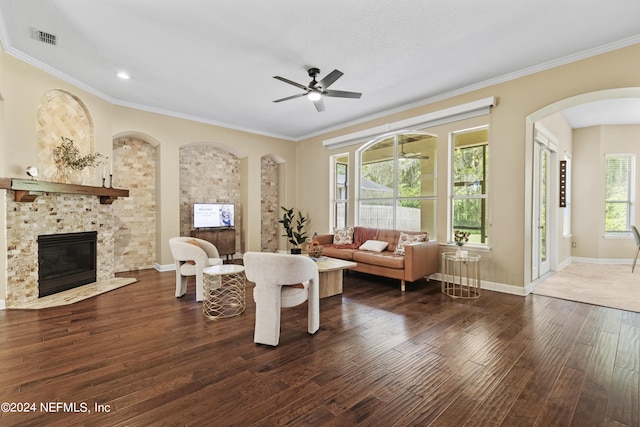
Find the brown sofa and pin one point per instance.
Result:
(420, 260)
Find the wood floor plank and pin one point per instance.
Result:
(591, 407)
(497, 403)
(381, 357)
(624, 399)
(560, 403)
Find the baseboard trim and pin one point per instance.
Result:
(166, 267)
(3, 304)
(602, 260)
(493, 286)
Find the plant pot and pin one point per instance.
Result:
(296, 251)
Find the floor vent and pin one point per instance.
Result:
(44, 37)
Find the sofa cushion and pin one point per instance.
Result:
(382, 259)
(390, 236)
(343, 236)
(408, 239)
(340, 253)
(374, 246)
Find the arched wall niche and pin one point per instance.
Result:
(530, 122)
(209, 173)
(270, 201)
(240, 154)
(138, 135)
(62, 114)
(134, 165)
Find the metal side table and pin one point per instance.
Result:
(461, 275)
(224, 291)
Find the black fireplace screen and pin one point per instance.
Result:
(66, 261)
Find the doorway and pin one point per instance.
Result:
(559, 252)
(544, 193)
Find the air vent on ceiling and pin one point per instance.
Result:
(44, 37)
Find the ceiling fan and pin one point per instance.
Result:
(403, 155)
(315, 90)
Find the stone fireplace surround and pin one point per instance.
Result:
(52, 213)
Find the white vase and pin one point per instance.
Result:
(69, 176)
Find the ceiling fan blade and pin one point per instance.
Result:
(417, 156)
(341, 94)
(282, 79)
(319, 104)
(330, 79)
(290, 97)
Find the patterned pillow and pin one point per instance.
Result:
(407, 239)
(343, 236)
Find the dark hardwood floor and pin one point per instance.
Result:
(137, 356)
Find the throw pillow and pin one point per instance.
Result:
(374, 245)
(408, 239)
(343, 236)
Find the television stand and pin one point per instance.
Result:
(224, 239)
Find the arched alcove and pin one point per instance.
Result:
(209, 173)
(270, 202)
(134, 165)
(61, 114)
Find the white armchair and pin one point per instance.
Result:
(271, 273)
(191, 259)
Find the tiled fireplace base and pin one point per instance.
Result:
(74, 295)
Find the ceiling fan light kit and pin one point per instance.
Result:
(315, 90)
(314, 95)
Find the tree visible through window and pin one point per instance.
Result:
(397, 188)
(469, 183)
(618, 193)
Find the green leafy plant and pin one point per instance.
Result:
(67, 155)
(294, 225)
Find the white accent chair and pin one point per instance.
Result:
(271, 273)
(191, 260)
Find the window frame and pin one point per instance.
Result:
(630, 200)
(395, 199)
(484, 196)
(335, 199)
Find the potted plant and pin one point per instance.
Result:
(67, 158)
(294, 225)
(461, 237)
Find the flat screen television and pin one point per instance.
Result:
(208, 215)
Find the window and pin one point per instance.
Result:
(340, 191)
(619, 193)
(397, 187)
(469, 185)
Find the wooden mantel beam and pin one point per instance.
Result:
(28, 190)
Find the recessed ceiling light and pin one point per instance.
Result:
(123, 75)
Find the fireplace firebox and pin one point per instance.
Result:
(66, 261)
